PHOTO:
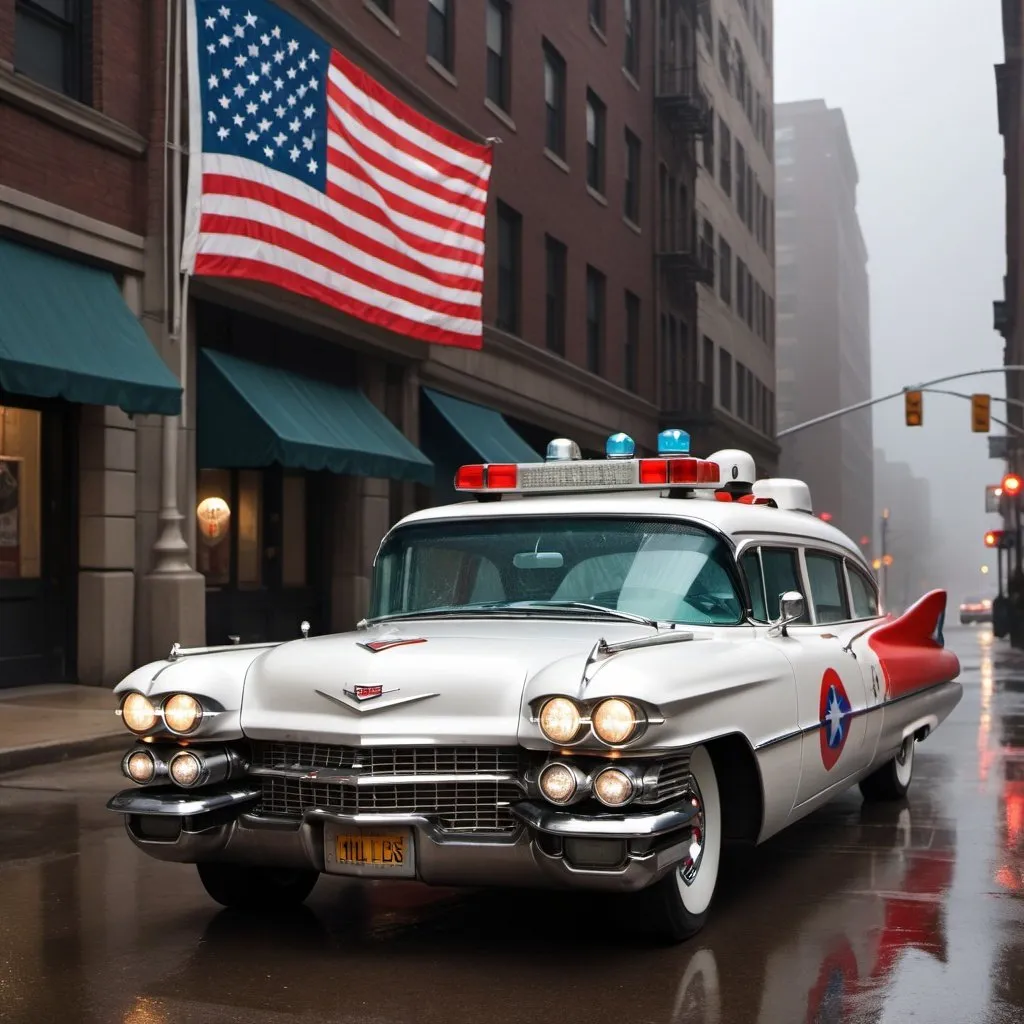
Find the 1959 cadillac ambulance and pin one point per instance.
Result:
(592, 674)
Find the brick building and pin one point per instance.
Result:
(100, 563)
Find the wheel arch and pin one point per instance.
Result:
(740, 787)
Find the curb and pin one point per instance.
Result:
(15, 758)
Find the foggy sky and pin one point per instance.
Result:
(916, 83)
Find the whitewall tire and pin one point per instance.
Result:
(892, 780)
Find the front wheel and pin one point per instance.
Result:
(892, 780)
(678, 905)
(256, 888)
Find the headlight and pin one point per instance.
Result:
(138, 713)
(614, 721)
(613, 787)
(185, 768)
(182, 713)
(558, 783)
(139, 766)
(560, 720)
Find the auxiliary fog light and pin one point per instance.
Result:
(558, 783)
(560, 720)
(185, 768)
(614, 721)
(182, 713)
(139, 766)
(613, 787)
(137, 713)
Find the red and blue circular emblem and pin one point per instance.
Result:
(834, 716)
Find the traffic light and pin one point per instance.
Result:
(981, 419)
(993, 539)
(1011, 485)
(913, 410)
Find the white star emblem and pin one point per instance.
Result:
(252, 78)
(211, 117)
(280, 138)
(312, 165)
(264, 125)
(251, 137)
(264, 96)
(292, 46)
(268, 152)
(265, 39)
(213, 81)
(254, 50)
(224, 12)
(226, 72)
(292, 100)
(225, 101)
(222, 133)
(313, 55)
(251, 108)
(240, 60)
(239, 90)
(211, 48)
(294, 125)
(307, 141)
(279, 57)
(224, 40)
(211, 23)
(309, 111)
(276, 31)
(294, 153)
(313, 84)
(239, 31)
(250, 19)
(302, 64)
(279, 111)
(279, 83)
(265, 68)
(239, 120)
(835, 720)
(301, 91)
(291, 72)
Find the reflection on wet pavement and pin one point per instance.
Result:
(858, 913)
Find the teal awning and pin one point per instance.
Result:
(65, 332)
(483, 429)
(251, 415)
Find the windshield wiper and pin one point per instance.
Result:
(491, 607)
(585, 606)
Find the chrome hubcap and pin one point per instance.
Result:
(691, 865)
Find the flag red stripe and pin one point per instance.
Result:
(213, 224)
(473, 150)
(399, 142)
(254, 270)
(393, 200)
(246, 188)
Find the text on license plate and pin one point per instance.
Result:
(378, 851)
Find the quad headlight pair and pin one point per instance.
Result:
(613, 786)
(185, 768)
(181, 713)
(613, 720)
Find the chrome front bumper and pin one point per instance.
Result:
(551, 848)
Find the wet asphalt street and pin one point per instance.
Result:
(910, 912)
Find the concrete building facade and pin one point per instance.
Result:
(734, 355)
(824, 331)
(105, 557)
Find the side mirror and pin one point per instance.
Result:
(791, 609)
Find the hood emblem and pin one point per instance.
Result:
(355, 698)
(376, 646)
(367, 692)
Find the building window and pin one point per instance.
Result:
(440, 34)
(510, 230)
(21, 507)
(556, 264)
(724, 156)
(631, 198)
(750, 300)
(741, 288)
(724, 379)
(709, 250)
(631, 55)
(51, 44)
(595, 319)
(771, 322)
(708, 146)
(725, 271)
(597, 14)
(741, 391)
(724, 50)
(707, 368)
(741, 181)
(386, 7)
(554, 100)
(595, 142)
(632, 346)
(498, 45)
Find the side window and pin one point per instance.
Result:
(750, 566)
(865, 600)
(781, 573)
(828, 587)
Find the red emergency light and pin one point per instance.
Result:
(1011, 485)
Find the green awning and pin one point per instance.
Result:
(250, 415)
(65, 332)
(483, 429)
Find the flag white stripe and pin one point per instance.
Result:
(236, 247)
(250, 170)
(387, 183)
(477, 167)
(249, 209)
(410, 164)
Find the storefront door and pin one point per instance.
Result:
(258, 533)
(37, 545)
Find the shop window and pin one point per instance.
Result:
(293, 532)
(20, 493)
(250, 549)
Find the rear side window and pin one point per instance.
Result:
(750, 565)
(828, 587)
(865, 600)
(781, 573)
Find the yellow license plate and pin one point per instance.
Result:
(373, 851)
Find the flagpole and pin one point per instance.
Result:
(171, 552)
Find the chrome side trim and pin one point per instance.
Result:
(611, 826)
(181, 803)
(357, 778)
(178, 652)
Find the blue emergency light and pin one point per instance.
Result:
(620, 446)
(673, 442)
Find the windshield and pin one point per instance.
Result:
(666, 571)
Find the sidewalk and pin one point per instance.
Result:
(43, 724)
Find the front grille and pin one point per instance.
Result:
(461, 806)
(673, 779)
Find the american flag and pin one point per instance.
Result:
(305, 173)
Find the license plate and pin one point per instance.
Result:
(378, 853)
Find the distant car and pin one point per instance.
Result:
(590, 675)
(975, 609)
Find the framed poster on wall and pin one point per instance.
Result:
(10, 519)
